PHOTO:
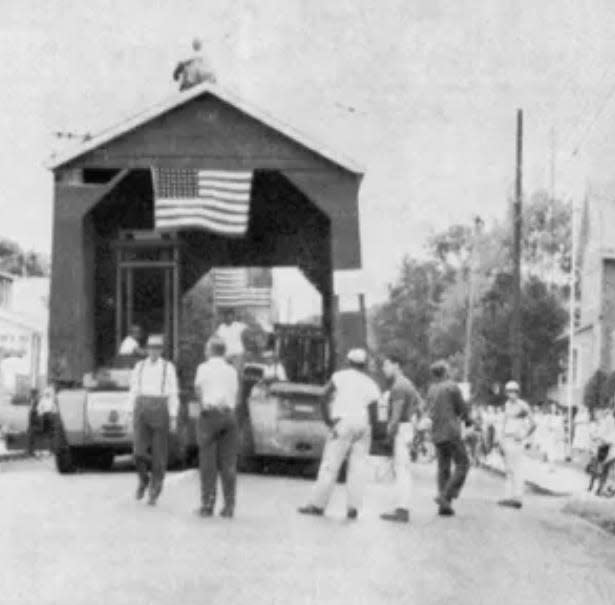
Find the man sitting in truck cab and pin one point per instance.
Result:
(131, 345)
(274, 368)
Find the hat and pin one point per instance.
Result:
(155, 341)
(512, 385)
(358, 356)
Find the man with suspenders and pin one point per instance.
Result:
(155, 403)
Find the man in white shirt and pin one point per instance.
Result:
(353, 399)
(231, 333)
(517, 426)
(155, 403)
(216, 385)
(131, 345)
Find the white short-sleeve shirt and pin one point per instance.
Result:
(231, 335)
(354, 392)
(218, 383)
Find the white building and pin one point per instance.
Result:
(23, 329)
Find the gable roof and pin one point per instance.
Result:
(181, 98)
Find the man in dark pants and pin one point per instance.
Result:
(216, 385)
(447, 409)
(155, 403)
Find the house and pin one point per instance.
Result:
(23, 328)
(594, 337)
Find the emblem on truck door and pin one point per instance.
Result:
(113, 416)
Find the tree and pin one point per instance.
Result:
(429, 323)
(402, 323)
(16, 260)
(592, 393)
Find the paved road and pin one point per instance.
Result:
(83, 540)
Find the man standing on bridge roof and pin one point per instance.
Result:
(155, 402)
(447, 409)
(194, 70)
(406, 406)
(353, 397)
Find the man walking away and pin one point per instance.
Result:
(216, 386)
(517, 426)
(155, 403)
(353, 397)
(405, 408)
(447, 408)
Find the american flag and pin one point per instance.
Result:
(216, 200)
(240, 287)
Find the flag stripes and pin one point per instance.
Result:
(218, 201)
(233, 288)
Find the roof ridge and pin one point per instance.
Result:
(132, 121)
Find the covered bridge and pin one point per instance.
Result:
(303, 211)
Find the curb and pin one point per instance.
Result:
(535, 487)
(11, 456)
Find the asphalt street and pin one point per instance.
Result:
(83, 539)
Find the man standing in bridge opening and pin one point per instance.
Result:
(155, 403)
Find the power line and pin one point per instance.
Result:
(594, 120)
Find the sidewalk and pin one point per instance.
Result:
(7, 455)
(563, 480)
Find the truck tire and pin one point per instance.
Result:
(62, 451)
(103, 461)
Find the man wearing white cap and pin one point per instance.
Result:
(349, 410)
(155, 402)
(517, 426)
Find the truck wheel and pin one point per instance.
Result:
(104, 460)
(61, 449)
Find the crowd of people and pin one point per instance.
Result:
(461, 433)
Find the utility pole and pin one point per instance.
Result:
(572, 371)
(517, 224)
(467, 355)
(551, 221)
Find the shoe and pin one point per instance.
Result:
(510, 503)
(446, 511)
(141, 489)
(153, 495)
(352, 514)
(399, 515)
(227, 513)
(204, 512)
(444, 506)
(310, 509)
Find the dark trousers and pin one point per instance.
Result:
(451, 452)
(218, 449)
(151, 440)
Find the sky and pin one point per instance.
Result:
(423, 93)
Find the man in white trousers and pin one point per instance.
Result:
(349, 410)
(517, 425)
(405, 407)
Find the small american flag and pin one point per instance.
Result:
(216, 200)
(236, 287)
